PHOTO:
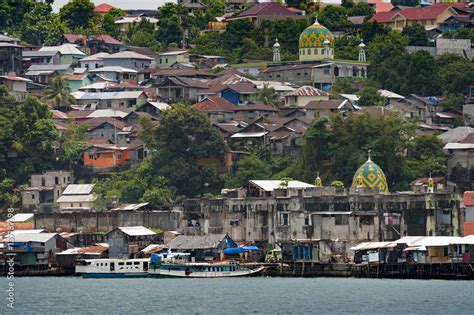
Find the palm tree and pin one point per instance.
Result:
(59, 92)
(269, 96)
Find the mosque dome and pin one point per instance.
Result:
(370, 175)
(313, 41)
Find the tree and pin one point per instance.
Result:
(453, 101)
(248, 168)
(456, 74)
(214, 8)
(182, 143)
(346, 47)
(79, 15)
(27, 138)
(269, 96)
(41, 26)
(108, 23)
(72, 143)
(334, 18)
(426, 157)
(370, 96)
(421, 75)
(370, 30)
(59, 93)
(170, 31)
(416, 35)
(388, 60)
(361, 9)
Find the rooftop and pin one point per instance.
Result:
(271, 185)
(128, 55)
(136, 231)
(78, 189)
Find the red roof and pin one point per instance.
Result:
(415, 14)
(214, 103)
(103, 8)
(73, 38)
(266, 9)
(381, 5)
(295, 10)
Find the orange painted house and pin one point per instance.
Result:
(106, 156)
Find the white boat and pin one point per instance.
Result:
(113, 268)
(175, 266)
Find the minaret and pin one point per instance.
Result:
(276, 51)
(431, 185)
(362, 51)
(326, 48)
(318, 182)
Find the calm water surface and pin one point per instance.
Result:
(244, 295)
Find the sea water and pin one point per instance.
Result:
(74, 295)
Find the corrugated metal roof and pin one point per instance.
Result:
(373, 245)
(77, 198)
(307, 90)
(33, 237)
(130, 207)
(136, 231)
(249, 134)
(21, 217)
(95, 57)
(18, 232)
(107, 113)
(127, 55)
(184, 242)
(79, 95)
(159, 105)
(459, 146)
(428, 241)
(270, 185)
(467, 240)
(113, 69)
(65, 49)
(78, 189)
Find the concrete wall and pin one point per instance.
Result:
(104, 222)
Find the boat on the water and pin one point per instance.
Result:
(113, 268)
(177, 266)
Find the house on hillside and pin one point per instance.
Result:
(125, 22)
(324, 109)
(16, 86)
(266, 11)
(76, 81)
(77, 198)
(128, 59)
(36, 57)
(69, 54)
(125, 101)
(168, 59)
(430, 17)
(116, 74)
(216, 108)
(43, 74)
(105, 157)
(253, 110)
(303, 95)
(44, 190)
(10, 55)
(153, 108)
(93, 61)
(93, 44)
(172, 89)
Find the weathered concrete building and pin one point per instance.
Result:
(44, 190)
(350, 215)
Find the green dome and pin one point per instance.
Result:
(314, 36)
(370, 175)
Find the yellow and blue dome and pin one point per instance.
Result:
(370, 175)
(314, 36)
